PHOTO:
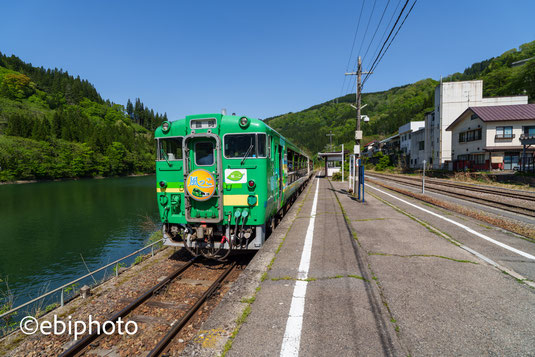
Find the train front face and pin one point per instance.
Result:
(212, 188)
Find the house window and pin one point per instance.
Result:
(470, 135)
(474, 116)
(478, 158)
(504, 132)
(529, 130)
(421, 145)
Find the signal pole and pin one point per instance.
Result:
(358, 132)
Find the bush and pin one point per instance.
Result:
(337, 176)
(383, 163)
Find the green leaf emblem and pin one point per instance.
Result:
(235, 176)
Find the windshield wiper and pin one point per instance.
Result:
(247, 154)
(165, 157)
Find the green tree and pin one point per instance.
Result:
(528, 78)
(116, 154)
(129, 108)
(17, 86)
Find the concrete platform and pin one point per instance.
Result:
(378, 282)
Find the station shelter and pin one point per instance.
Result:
(333, 161)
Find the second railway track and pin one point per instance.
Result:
(519, 202)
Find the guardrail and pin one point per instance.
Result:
(62, 288)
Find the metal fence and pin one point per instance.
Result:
(58, 296)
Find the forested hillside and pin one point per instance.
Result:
(53, 125)
(390, 109)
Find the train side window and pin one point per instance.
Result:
(269, 146)
(204, 153)
(261, 145)
(169, 149)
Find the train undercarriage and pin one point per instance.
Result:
(214, 241)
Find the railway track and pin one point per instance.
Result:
(519, 202)
(150, 305)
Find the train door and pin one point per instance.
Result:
(202, 183)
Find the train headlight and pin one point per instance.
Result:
(166, 126)
(163, 184)
(251, 184)
(244, 122)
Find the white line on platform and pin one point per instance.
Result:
(292, 335)
(470, 230)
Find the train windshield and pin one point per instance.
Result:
(245, 145)
(169, 149)
(204, 153)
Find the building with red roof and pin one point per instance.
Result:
(493, 137)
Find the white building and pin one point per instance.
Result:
(417, 149)
(486, 138)
(405, 134)
(451, 100)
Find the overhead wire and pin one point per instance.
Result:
(393, 38)
(352, 47)
(385, 31)
(376, 29)
(351, 80)
(367, 26)
(385, 42)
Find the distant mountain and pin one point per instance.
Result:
(53, 125)
(512, 73)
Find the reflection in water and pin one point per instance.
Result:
(44, 227)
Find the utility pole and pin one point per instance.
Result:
(330, 135)
(358, 132)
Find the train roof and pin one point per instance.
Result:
(256, 125)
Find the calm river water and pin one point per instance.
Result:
(44, 227)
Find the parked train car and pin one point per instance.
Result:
(222, 180)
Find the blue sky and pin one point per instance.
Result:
(253, 58)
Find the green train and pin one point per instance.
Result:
(223, 181)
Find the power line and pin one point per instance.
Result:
(393, 38)
(373, 37)
(355, 37)
(363, 38)
(366, 32)
(352, 47)
(362, 41)
(386, 29)
(376, 29)
(351, 80)
(384, 44)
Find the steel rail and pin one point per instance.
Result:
(164, 342)
(530, 212)
(521, 195)
(84, 342)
